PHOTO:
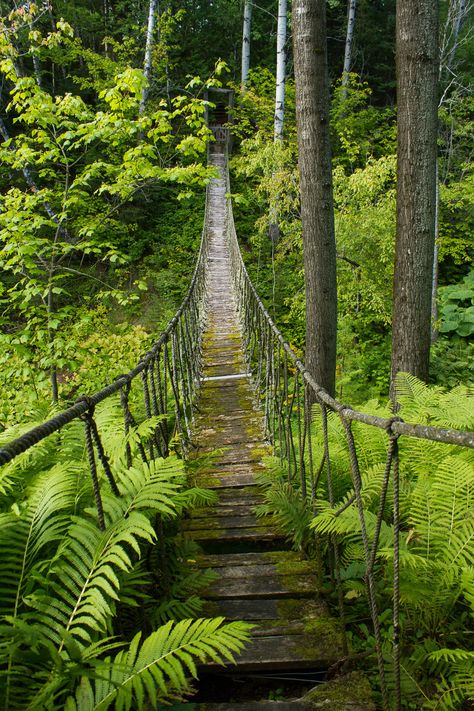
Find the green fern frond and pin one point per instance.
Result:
(290, 513)
(36, 525)
(84, 580)
(159, 667)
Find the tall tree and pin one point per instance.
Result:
(152, 10)
(246, 44)
(317, 211)
(351, 15)
(457, 11)
(280, 70)
(417, 99)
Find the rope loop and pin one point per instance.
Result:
(89, 414)
(389, 427)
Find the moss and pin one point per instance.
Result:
(322, 632)
(294, 567)
(351, 692)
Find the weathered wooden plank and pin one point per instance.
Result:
(296, 705)
(217, 560)
(246, 520)
(262, 570)
(254, 587)
(286, 652)
(267, 612)
(224, 480)
(235, 508)
(259, 534)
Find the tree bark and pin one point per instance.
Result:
(152, 10)
(317, 211)
(456, 16)
(417, 83)
(280, 71)
(246, 44)
(351, 15)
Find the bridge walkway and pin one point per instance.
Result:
(257, 578)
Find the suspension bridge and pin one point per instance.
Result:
(223, 381)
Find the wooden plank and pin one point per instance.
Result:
(217, 560)
(266, 611)
(235, 508)
(254, 533)
(262, 570)
(296, 705)
(212, 522)
(285, 652)
(253, 588)
(224, 480)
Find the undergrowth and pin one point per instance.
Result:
(436, 540)
(91, 619)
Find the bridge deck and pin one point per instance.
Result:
(258, 579)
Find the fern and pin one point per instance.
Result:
(290, 513)
(159, 667)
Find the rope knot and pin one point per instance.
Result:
(90, 407)
(389, 427)
(128, 382)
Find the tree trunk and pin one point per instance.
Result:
(456, 15)
(417, 83)
(280, 71)
(351, 15)
(152, 10)
(246, 44)
(317, 211)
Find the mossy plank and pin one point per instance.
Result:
(245, 559)
(258, 586)
(265, 609)
(213, 521)
(255, 533)
(262, 570)
(284, 652)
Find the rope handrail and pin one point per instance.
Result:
(84, 404)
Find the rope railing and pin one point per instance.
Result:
(170, 378)
(292, 401)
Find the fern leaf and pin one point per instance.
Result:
(159, 667)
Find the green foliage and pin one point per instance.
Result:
(67, 587)
(437, 536)
(360, 131)
(457, 307)
(283, 502)
(159, 667)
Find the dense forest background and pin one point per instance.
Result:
(102, 177)
(129, 210)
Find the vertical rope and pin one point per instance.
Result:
(396, 575)
(93, 469)
(357, 481)
(103, 457)
(147, 403)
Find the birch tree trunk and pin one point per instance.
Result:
(246, 44)
(317, 211)
(280, 71)
(456, 16)
(351, 15)
(417, 100)
(152, 10)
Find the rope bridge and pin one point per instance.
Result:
(167, 380)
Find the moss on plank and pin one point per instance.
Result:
(351, 692)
